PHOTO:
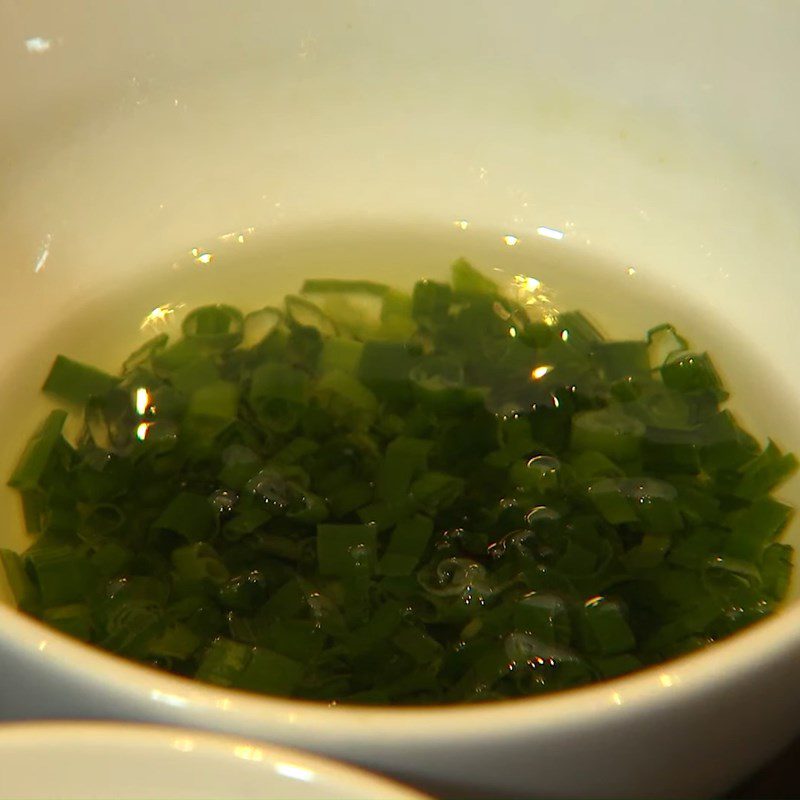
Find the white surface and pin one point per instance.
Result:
(86, 760)
(657, 137)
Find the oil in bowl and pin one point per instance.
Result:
(362, 490)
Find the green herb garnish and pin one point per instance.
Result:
(451, 500)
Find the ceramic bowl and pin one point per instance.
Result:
(641, 158)
(82, 760)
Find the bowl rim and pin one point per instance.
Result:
(677, 681)
(147, 737)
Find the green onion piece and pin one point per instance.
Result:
(223, 662)
(212, 408)
(62, 573)
(590, 464)
(307, 507)
(239, 465)
(622, 359)
(217, 327)
(244, 592)
(405, 458)
(334, 285)
(297, 450)
(179, 354)
(299, 640)
(305, 313)
(73, 619)
(258, 325)
(649, 553)
(349, 498)
(416, 643)
(433, 491)
(692, 373)
(465, 278)
(396, 322)
(277, 392)
(670, 450)
(605, 629)
(613, 666)
(610, 432)
(75, 382)
(269, 672)
(407, 545)
(344, 396)
(578, 332)
(544, 615)
(38, 453)
(340, 548)
(199, 562)
(776, 569)
(539, 474)
(178, 641)
(34, 504)
(142, 356)
(194, 375)
(111, 559)
(765, 472)
(386, 367)
(340, 354)
(665, 343)
(756, 526)
(430, 302)
(24, 591)
(725, 445)
(383, 515)
(189, 515)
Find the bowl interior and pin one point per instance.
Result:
(96, 760)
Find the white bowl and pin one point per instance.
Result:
(84, 760)
(659, 139)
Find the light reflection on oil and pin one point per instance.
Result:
(537, 373)
(510, 240)
(461, 223)
(202, 256)
(550, 233)
(234, 236)
(160, 316)
(143, 401)
(44, 254)
(536, 297)
(38, 44)
(142, 429)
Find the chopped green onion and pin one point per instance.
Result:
(375, 496)
(189, 515)
(74, 382)
(270, 673)
(407, 546)
(219, 327)
(38, 453)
